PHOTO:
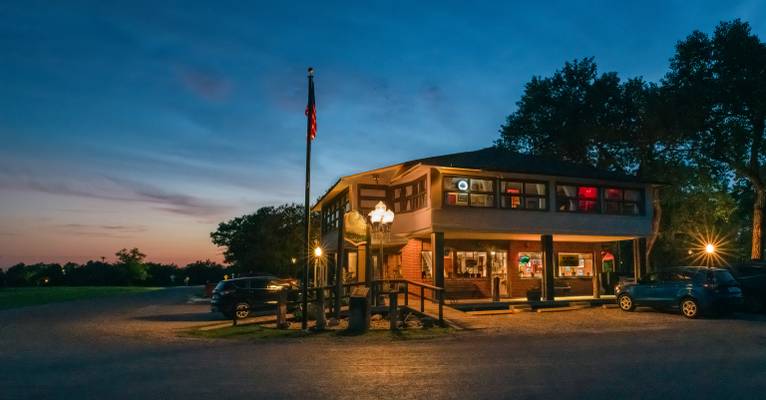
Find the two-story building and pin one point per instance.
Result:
(463, 219)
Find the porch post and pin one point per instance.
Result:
(548, 286)
(339, 269)
(368, 257)
(639, 257)
(597, 266)
(437, 250)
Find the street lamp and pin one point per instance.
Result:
(318, 268)
(381, 219)
(710, 248)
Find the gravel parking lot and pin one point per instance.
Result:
(127, 347)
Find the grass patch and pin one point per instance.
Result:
(30, 296)
(259, 332)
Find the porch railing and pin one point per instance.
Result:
(378, 288)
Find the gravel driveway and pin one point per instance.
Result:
(126, 348)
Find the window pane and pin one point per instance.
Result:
(612, 207)
(471, 264)
(511, 201)
(408, 190)
(457, 199)
(613, 194)
(482, 200)
(426, 264)
(633, 195)
(511, 187)
(566, 191)
(482, 185)
(567, 205)
(530, 264)
(454, 183)
(534, 188)
(575, 264)
(535, 203)
(587, 192)
(587, 206)
(630, 209)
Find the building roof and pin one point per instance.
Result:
(496, 159)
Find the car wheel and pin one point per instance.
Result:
(690, 308)
(626, 303)
(242, 310)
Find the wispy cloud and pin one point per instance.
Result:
(204, 83)
(92, 230)
(120, 190)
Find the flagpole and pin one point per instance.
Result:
(307, 219)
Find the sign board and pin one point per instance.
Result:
(568, 260)
(354, 228)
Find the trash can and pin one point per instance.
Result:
(359, 310)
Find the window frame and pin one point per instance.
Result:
(622, 202)
(334, 210)
(493, 193)
(399, 203)
(577, 198)
(524, 194)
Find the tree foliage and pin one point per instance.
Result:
(265, 241)
(693, 131)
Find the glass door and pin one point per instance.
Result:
(500, 270)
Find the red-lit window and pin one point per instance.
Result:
(575, 198)
(523, 195)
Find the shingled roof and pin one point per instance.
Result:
(496, 159)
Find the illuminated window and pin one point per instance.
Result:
(575, 264)
(530, 264)
(426, 265)
(577, 198)
(474, 192)
(622, 201)
(334, 211)
(471, 264)
(523, 195)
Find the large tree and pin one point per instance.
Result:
(582, 116)
(718, 85)
(265, 241)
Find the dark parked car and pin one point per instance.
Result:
(242, 296)
(752, 279)
(693, 290)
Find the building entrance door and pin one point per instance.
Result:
(499, 267)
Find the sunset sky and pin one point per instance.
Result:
(144, 125)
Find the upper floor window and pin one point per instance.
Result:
(622, 201)
(334, 211)
(576, 198)
(410, 196)
(523, 195)
(474, 192)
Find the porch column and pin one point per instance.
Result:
(639, 257)
(437, 251)
(368, 257)
(339, 269)
(597, 267)
(548, 286)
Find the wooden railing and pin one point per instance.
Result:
(383, 287)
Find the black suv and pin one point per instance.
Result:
(241, 296)
(752, 278)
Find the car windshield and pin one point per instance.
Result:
(223, 285)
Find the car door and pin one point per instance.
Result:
(259, 292)
(667, 288)
(645, 292)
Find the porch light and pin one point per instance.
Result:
(317, 252)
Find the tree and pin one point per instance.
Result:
(201, 272)
(264, 241)
(132, 263)
(718, 85)
(580, 116)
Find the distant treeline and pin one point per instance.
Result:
(129, 269)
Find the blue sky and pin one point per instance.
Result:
(147, 123)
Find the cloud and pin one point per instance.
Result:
(110, 231)
(205, 84)
(120, 190)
